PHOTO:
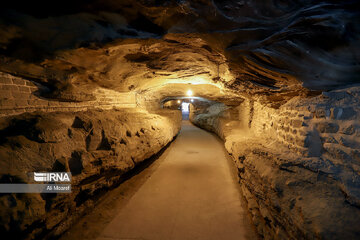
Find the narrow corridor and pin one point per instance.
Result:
(193, 194)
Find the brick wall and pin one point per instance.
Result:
(301, 161)
(326, 124)
(286, 125)
(18, 95)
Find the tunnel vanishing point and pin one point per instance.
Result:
(117, 100)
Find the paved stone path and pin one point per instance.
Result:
(192, 194)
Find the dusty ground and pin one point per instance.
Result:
(190, 192)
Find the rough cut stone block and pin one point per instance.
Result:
(349, 130)
(320, 113)
(343, 113)
(21, 110)
(5, 94)
(10, 87)
(286, 128)
(326, 127)
(63, 104)
(336, 151)
(42, 103)
(345, 142)
(37, 103)
(18, 81)
(33, 89)
(24, 89)
(311, 108)
(33, 96)
(303, 132)
(300, 141)
(328, 139)
(335, 95)
(21, 103)
(30, 84)
(297, 123)
(93, 140)
(7, 103)
(290, 139)
(356, 155)
(7, 111)
(348, 113)
(20, 95)
(5, 80)
(53, 103)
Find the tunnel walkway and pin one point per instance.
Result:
(192, 195)
(190, 192)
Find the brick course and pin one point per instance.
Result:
(296, 123)
(17, 96)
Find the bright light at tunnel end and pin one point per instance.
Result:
(189, 93)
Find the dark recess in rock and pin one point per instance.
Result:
(75, 163)
(104, 144)
(144, 24)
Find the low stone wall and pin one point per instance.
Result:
(19, 95)
(98, 141)
(299, 165)
(328, 123)
(97, 146)
(215, 117)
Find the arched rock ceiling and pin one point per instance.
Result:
(179, 91)
(271, 49)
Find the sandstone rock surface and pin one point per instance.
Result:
(299, 173)
(276, 50)
(97, 147)
(281, 77)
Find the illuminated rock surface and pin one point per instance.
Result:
(272, 48)
(277, 81)
(298, 165)
(97, 147)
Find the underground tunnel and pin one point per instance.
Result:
(180, 119)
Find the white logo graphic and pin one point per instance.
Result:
(52, 177)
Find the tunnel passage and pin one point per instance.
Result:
(92, 89)
(190, 189)
(181, 103)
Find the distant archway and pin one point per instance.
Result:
(185, 107)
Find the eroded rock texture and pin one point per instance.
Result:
(97, 147)
(262, 62)
(298, 165)
(273, 49)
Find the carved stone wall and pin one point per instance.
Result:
(18, 95)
